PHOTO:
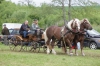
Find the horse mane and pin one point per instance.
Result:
(85, 19)
(73, 21)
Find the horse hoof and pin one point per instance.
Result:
(77, 54)
(67, 53)
(71, 54)
(48, 52)
(54, 53)
(83, 54)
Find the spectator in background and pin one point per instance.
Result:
(5, 30)
(24, 29)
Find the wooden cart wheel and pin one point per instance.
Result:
(26, 46)
(18, 46)
(38, 47)
(35, 47)
(12, 43)
(19, 43)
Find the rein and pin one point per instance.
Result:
(62, 37)
(66, 31)
(81, 32)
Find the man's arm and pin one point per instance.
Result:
(24, 27)
(28, 27)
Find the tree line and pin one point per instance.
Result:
(48, 14)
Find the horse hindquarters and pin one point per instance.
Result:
(50, 38)
(47, 41)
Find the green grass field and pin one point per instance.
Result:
(13, 58)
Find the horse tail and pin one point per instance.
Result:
(45, 36)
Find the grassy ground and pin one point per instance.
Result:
(13, 58)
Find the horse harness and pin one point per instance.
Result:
(68, 31)
(64, 33)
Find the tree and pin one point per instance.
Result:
(69, 10)
(86, 9)
(61, 3)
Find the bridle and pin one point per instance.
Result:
(82, 31)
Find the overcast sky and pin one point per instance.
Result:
(37, 2)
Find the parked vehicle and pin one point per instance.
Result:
(13, 29)
(92, 39)
(12, 25)
(13, 32)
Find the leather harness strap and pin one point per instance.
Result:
(62, 35)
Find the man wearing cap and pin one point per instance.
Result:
(5, 30)
(35, 27)
(24, 29)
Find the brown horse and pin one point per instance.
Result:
(54, 32)
(84, 25)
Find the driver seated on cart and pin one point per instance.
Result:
(24, 29)
(35, 30)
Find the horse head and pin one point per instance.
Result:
(74, 25)
(86, 24)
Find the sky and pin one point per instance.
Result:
(38, 2)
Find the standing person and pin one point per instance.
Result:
(24, 29)
(35, 27)
(5, 33)
(5, 30)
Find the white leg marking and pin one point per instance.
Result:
(48, 50)
(53, 51)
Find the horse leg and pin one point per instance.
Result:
(75, 44)
(76, 49)
(52, 46)
(81, 43)
(64, 47)
(70, 47)
(48, 46)
(47, 41)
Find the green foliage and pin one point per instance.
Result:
(47, 14)
(1, 1)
